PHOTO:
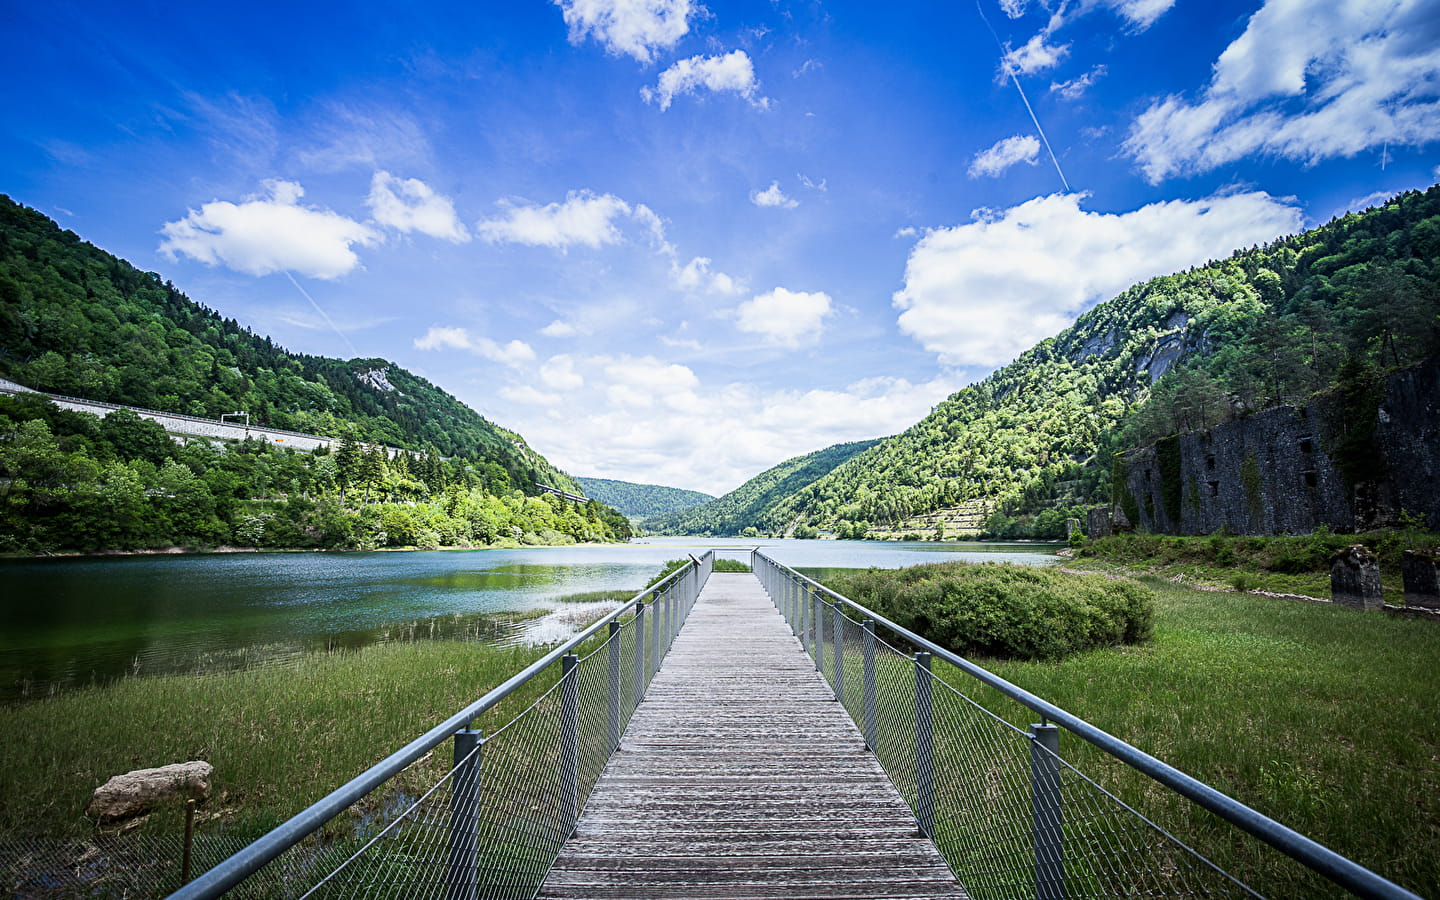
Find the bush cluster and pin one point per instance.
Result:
(1005, 610)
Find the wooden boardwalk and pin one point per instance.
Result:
(741, 777)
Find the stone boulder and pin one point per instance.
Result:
(136, 793)
(1421, 571)
(1355, 579)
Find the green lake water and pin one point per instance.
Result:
(74, 621)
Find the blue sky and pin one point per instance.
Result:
(678, 243)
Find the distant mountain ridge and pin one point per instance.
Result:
(641, 501)
(753, 503)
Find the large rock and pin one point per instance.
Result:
(1421, 571)
(136, 793)
(1355, 579)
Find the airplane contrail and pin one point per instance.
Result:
(307, 296)
(1010, 70)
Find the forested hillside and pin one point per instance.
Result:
(1268, 325)
(641, 501)
(76, 320)
(753, 504)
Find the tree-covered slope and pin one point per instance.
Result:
(1266, 326)
(76, 320)
(641, 501)
(755, 503)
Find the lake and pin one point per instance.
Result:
(73, 621)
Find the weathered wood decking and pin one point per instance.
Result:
(741, 777)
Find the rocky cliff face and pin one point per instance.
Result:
(1278, 472)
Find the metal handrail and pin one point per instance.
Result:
(1338, 869)
(237, 868)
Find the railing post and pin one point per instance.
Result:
(461, 881)
(615, 685)
(639, 652)
(924, 748)
(869, 654)
(1048, 814)
(667, 614)
(802, 599)
(819, 630)
(569, 743)
(837, 644)
(656, 607)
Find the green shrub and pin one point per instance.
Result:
(1006, 610)
(730, 565)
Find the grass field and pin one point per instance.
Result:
(1326, 719)
(279, 737)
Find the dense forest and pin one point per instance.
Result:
(641, 501)
(749, 509)
(76, 320)
(1035, 440)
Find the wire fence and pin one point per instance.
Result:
(1011, 816)
(487, 818)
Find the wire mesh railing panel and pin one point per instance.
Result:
(1012, 818)
(527, 802)
(483, 816)
(1110, 850)
(895, 732)
(983, 797)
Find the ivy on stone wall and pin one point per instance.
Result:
(1172, 485)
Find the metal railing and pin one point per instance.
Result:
(487, 819)
(1012, 817)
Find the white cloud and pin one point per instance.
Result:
(636, 28)
(807, 66)
(773, 197)
(559, 373)
(408, 204)
(993, 161)
(526, 395)
(266, 234)
(647, 420)
(1305, 82)
(1035, 55)
(439, 337)
(1075, 87)
(1139, 14)
(731, 72)
(559, 329)
(696, 275)
(813, 185)
(514, 354)
(785, 318)
(979, 294)
(583, 218)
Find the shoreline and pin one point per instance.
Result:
(225, 549)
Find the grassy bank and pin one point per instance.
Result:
(1323, 718)
(279, 738)
(1285, 564)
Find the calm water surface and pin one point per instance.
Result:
(70, 622)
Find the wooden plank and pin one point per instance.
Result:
(739, 776)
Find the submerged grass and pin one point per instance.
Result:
(1325, 719)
